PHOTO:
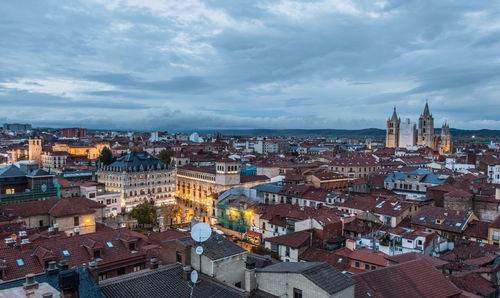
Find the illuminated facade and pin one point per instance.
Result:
(195, 185)
(139, 176)
(91, 151)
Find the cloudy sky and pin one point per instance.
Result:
(173, 65)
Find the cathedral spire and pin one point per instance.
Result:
(426, 109)
(394, 115)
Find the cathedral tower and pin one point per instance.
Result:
(426, 129)
(445, 144)
(392, 131)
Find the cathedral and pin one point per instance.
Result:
(404, 134)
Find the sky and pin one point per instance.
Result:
(174, 65)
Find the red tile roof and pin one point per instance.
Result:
(377, 258)
(53, 206)
(411, 279)
(79, 248)
(293, 240)
(411, 256)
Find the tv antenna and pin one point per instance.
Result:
(199, 233)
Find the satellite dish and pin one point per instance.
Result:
(194, 276)
(199, 250)
(201, 232)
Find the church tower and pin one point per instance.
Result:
(445, 145)
(392, 131)
(227, 172)
(426, 129)
(35, 150)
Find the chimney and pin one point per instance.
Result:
(25, 243)
(69, 283)
(154, 263)
(350, 244)
(93, 270)
(186, 272)
(9, 242)
(30, 283)
(56, 228)
(250, 282)
(63, 265)
(52, 269)
(76, 231)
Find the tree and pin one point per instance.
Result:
(166, 155)
(144, 213)
(171, 211)
(106, 156)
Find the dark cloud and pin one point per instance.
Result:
(267, 64)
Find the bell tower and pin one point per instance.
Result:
(392, 131)
(426, 129)
(227, 172)
(35, 150)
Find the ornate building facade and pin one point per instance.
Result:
(196, 185)
(139, 176)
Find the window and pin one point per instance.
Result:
(76, 221)
(367, 267)
(102, 276)
(357, 264)
(109, 244)
(20, 262)
(131, 246)
(97, 254)
(120, 271)
(373, 267)
(10, 191)
(178, 257)
(66, 253)
(297, 293)
(137, 268)
(495, 235)
(41, 223)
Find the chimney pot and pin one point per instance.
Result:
(30, 282)
(186, 272)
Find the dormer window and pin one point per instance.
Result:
(97, 254)
(131, 246)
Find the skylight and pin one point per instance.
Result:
(20, 262)
(109, 244)
(66, 253)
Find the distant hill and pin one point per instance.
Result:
(355, 133)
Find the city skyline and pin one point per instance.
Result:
(149, 65)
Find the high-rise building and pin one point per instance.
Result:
(426, 129)
(74, 132)
(407, 133)
(392, 132)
